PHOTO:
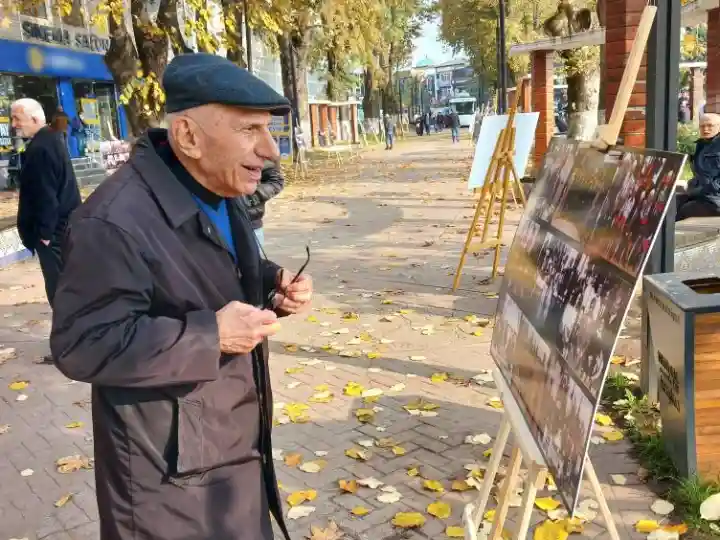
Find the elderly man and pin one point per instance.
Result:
(161, 309)
(702, 197)
(48, 189)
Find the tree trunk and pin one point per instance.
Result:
(371, 104)
(286, 68)
(333, 88)
(583, 94)
(300, 48)
(233, 15)
(75, 17)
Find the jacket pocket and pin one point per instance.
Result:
(191, 442)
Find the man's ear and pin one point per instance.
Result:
(185, 134)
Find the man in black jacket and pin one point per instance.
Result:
(48, 190)
(702, 196)
(271, 183)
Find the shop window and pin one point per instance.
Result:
(41, 89)
(96, 107)
(33, 8)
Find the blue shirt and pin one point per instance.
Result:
(220, 218)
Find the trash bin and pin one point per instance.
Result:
(684, 356)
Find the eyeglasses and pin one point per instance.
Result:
(273, 293)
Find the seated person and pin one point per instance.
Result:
(702, 196)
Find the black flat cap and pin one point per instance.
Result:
(192, 80)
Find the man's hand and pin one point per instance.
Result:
(242, 327)
(291, 299)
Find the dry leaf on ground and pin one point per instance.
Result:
(408, 520)
(313, 466)
(360, 511)
(455, 532)
(353, 389)
(439, 509)
(70, 464)
(389, 497)
(646, 526)
(4, 428)
(62, 501)
(360, 455)
(613, 436)
(398, 450)
(74, 425)
(296, 498)
(18, 385)
(482, 438)
(293, 460)
(603, 419)
(365, 415)
(550, 530)
(439, 377)
(460, 485)
(433, 485)
(348, 486)
(547, 503)
(331, 532)
(298, 512)
(370, 482)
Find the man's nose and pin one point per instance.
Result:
(267, 148)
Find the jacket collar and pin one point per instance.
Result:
(172, 196)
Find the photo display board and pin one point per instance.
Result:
(578, 252)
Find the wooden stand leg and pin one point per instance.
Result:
(505, 496)
(491, 471)
(536, 480)
(469, 239)
(604, 508)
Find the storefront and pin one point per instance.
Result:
(56, 76)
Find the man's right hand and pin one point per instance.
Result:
(242, 327)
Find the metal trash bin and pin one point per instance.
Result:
(684, 361)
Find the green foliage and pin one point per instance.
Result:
(687, 496)
(687, 136)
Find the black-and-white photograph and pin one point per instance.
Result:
(505, 334)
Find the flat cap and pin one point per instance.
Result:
(192, 80)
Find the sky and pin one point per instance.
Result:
(428, 44)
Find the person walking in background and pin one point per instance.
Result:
(48, 190)
(271, 184)
(389, 132)
(455, 126)
(78, 127)
(60, 122)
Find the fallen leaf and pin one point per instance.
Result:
(484, 377)
(295, 369)
(399, 387)
(680, 528)
(291, 348)
(353, 389)
(350, 316)
(373, 392)
(662, 507)
(398, 450)
(365, 415)
(360, 455)
(370, 482)
(297, 512)
(74, 425)
(547, 503)
(550, 530)
(18, 385)
(6, 354)
(297, 412)
(613, 435)
(489, 515)
(478, 333)
(573, 525)
(27, 472)
(420, 405)
(321, 453)
(21, 397)
(70, 464)
(487, 453)
(321, 397)
(366, 443)
(312, 319)
(618, 479)
(408, 520)
(617, 360)
(293, 385)
(341, 331)
(296, 498)
(460, 485)
(439, 509)
(62, 501)
(433, 485)
(348, 486)
(482, 438)
(313, 466)
(293, 460)
(372, 355)
(360, 511)
(439, 377)
(413, 471)
(495, 403)
(603, 419)
(4, 428)
(646, 526)
(455, 532)
(418, 358)
(389, 497)
(331, 532)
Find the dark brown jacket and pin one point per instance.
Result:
(182, 432)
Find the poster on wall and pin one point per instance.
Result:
(281, 129)
(577, 255)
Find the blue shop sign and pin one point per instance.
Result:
(33, 59)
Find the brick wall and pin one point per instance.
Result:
(542, 101)
(712, 102)
(622, 19)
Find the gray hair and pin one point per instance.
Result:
(710, 117)
(32, 108)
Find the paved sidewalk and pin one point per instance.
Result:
(385, 236)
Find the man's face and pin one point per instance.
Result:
(709, 127)
(229, 147)
(23, 123)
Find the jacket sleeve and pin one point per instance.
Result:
(104, 331)
(42, 195)
(272, 182)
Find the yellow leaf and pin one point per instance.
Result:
(433, 485)
(603, 419)
(439, 509)
(297, 412)
(408, 520)
(365, 415)
(349, 486)
(293, 370)
(19, 385)
(613, 436)
(293, 460)
(373, 355)
(489, 515)
(680, 528)
(478, 333)
(455, 532)
(573, 525)
(74, 425)
(617, 360)
(298, 497)
(460, 485)
(360, 511)
(312, 319)
(547, 503)
(439, 377)
(291, 348)
(321, 397)
(322, 388)
(646, 526)
(353, 389)
(488, 452)
(386, 302)
(62, 501)
(398, 450)
(360, 455)
(495, 403)
(74, 463)
(550, 530)
(413, 472)
(420, 405)
(350, 316)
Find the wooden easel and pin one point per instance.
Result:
(498, 184)
(525, 450)
(513, 420)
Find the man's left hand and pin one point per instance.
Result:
(293, 298)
